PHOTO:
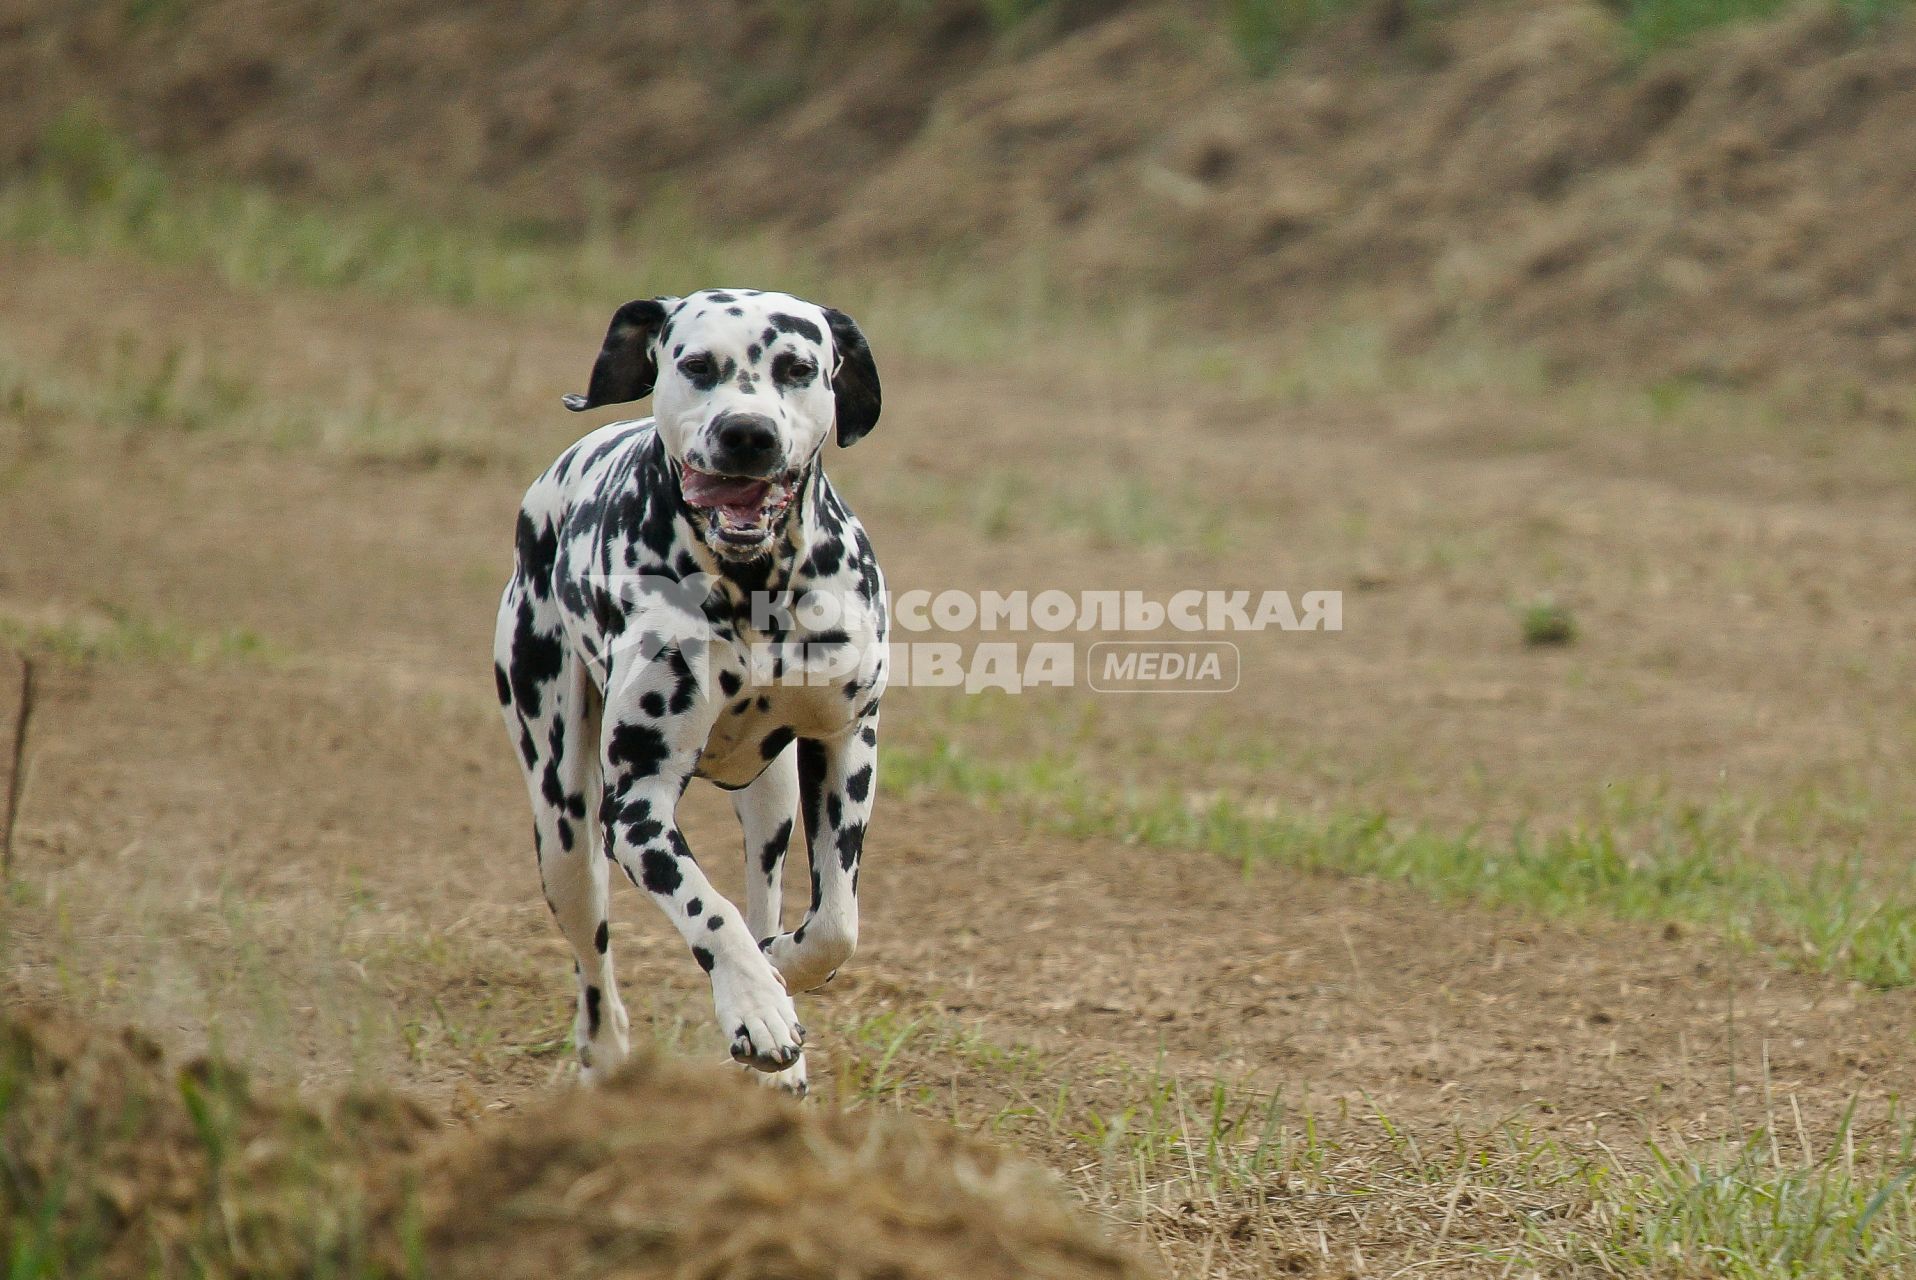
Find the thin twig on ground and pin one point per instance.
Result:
(16, 774)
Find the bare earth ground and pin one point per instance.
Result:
(270, 806)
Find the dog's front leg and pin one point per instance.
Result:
(653, 733)
(837, 782)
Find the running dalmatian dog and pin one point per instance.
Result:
(631, 656)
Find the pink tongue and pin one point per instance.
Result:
(702, 490)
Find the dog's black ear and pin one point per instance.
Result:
(625, 369)
(855, 381)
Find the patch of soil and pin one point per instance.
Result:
(1738, 211)
(116, 1161)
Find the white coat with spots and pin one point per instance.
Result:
(692, 599)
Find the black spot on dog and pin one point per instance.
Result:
(505, 685)
(811, 790)
(685, 685)
(638, 748)
(653, 704)
(549, 785)
(850, 841)
(528, 749)
(764, 703)
(774, 850)
(734, 311)
(825, 559)
(834, 809)
(661, 872)
(593, 997)
(603, 938)
(775, 742)
(565, 835)
(538, 550)
(796, 324)
(729, 682)
(869, 736)
(715, 923)
(720, 297)
(705, 959)
(695, 908)
(859, 785)
(536, 661)
(740, 707)
(753, 352)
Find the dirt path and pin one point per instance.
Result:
(272, 807)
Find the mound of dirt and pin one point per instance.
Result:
(1741, 210)
(118, 1165)
(674, 1170)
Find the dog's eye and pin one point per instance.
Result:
(793, 369)
(696, 366)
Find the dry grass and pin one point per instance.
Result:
(1224, 1179)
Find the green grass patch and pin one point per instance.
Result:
(1833, 919)
(181, 389)
(91, 193)
(1653, 24)
(1546, 623)
(120, 635)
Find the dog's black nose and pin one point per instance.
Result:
(747, 444)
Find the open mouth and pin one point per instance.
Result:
(743, 510)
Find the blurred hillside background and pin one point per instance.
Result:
(1715, 192)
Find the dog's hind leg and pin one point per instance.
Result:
(837, 782)
(552, 710)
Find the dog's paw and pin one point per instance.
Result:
(756, 1014)
(789, 1081)
(808, 957)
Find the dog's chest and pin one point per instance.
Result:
(759, 720)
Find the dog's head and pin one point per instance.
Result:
(745, 387)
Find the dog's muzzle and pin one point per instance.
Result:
(742, 512)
